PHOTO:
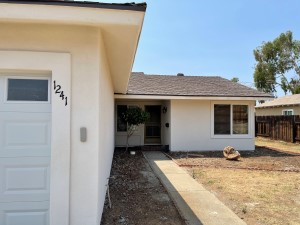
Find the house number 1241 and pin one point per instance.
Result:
(57, 89)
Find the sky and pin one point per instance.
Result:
(211, 37)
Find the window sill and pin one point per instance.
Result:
(232, 136)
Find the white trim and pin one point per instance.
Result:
(24, 77)
(288, 110)
(231, 135)
(59, 65)
(168, 97)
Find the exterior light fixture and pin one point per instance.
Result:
(164, 109)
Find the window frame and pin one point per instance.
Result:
(232, 135)
(24, 77)
(288, 110)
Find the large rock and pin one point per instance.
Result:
(230, 153)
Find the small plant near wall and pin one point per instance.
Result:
(134, 116)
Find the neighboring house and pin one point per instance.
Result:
(60, 64)
(189, 113)
(286, 105)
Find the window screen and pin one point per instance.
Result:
(240, 119)
(27, 90)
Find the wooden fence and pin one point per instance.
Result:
(284, 128)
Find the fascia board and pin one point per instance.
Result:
(55, 14)
(160, 97)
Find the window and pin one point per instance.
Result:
(27, 89)
(288, 112)
(240, 119)
(222, 119)
(121, 124)
(230, 119)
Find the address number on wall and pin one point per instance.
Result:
(58, 90)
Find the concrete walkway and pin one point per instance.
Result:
(195, 203)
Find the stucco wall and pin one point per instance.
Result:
(166, 118)
(191, 127)
(106, 127)
(276, 111)
(91, 85)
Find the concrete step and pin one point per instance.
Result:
(153, 148)
(145, 148)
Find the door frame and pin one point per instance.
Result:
(58, 65)
(145, 106)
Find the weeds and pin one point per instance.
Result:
(244, 209)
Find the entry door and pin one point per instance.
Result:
(153, 125)
(25, 139)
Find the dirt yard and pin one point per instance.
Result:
(137, 196)
(262, 188)
(283, 146)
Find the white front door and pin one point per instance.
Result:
(25, 149)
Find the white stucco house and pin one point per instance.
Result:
(60, 64)
(189, 113)
(65, 76)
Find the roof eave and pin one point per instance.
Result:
(120, 29)
(125, 6)
(276, 106)
(179, 97)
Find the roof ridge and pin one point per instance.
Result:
(174, 75)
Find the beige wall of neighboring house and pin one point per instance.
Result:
(276, 111)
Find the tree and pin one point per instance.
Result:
(235, 79)
(278, 64)
(134, 116)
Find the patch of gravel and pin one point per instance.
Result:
(137, 195)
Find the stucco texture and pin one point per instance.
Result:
(191, 127)
(92, 106)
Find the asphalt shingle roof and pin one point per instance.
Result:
(281, 101)
(94, 4)
(141, 84)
